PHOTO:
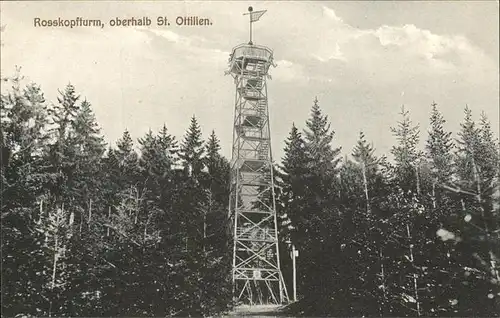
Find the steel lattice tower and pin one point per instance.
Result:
(256, 273)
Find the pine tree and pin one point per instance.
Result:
(54, 233)
(121, 167)
(406, 155)
(126, 157)
(168, 148)
(489, 156)
(318, 139)
(158, 158)
(439, 152)
(217, 170)
(318, 228)
(291, 179)
(407, 243)
(439, 147)
(468, 144)
(85, 202)
(363, 154)
(23, 120)
(191, 150)
(367, 224)
(87, 135)
(23, 130)
(191, 153)
(479, 245)
(323, 161)
(191, 206)
(216, 291)
(125, 148)
(88, 151)
(157, 177)
(61, 152)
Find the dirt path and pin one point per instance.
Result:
(263, 311)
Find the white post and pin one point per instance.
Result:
(294, 254)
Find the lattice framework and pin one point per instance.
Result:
(257, 277)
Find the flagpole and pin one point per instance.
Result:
(250, 9)
(254, 16)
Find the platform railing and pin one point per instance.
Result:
(252, 51)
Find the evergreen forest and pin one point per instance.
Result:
(139, 228)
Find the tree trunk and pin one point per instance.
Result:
(415, 276)
(479, 199)
(90, 212)
(54, 264)
(81, 222)
(434, 203)
(417, 176)
(40, 213)
(146, 228)
(365, 184)
(109, 219)
(136, 206)
(205, 220)
(382, 278)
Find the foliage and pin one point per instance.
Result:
(90, 232)
(415, 237)
(140, 228)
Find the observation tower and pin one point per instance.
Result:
(256, 273)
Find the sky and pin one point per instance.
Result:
(362, 60)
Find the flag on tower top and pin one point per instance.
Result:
(255, 16)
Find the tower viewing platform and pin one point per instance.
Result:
(249, 59)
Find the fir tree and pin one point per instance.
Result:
(61, 152)
(216, 271)
(439, 147)
(217, 170)
(363, 154)
(125, 154)
(479, 245)
(406, 155)
(191, 150)
(88, 151)
(292, 180)
(191, 206)
(323, 160)
(318, 139)
(439, 152)
(24, 137)
(168, 148)
(317, 231)
(23, 120)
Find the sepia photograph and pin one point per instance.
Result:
(250, 158)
